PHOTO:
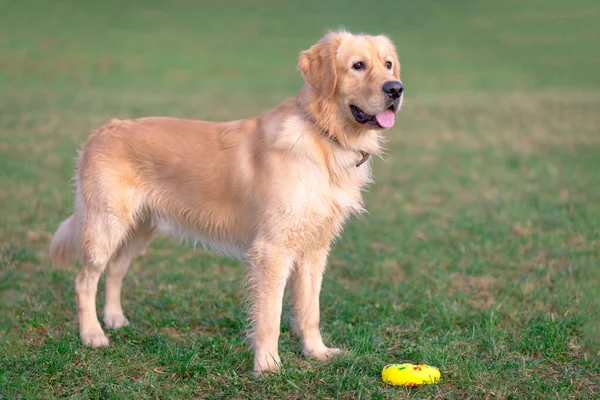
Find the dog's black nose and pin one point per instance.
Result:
(393, 89)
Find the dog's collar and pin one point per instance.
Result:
(364, 154)
(365, 157)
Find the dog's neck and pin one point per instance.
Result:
(324, 115)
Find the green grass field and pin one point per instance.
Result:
(481, 252)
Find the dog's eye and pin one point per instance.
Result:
(359, 65)
(388, 64)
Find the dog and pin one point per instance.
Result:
(273, 190)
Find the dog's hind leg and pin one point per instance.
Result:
(136, 243)
(102, 235)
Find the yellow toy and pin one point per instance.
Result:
(410, 374)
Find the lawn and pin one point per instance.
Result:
(480, 254)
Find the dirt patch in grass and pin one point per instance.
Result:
(478, 290)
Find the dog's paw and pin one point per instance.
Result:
(265, 365)
(115, 321)
(321, 353)
(260, 371)
(96, 339)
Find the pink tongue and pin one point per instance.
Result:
(386, 119)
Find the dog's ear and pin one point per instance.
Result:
(318, 64)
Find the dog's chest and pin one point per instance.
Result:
(328, 198)
(345, 196)
(346, 182)
(321, 184)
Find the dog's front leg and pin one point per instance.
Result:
(269, 269)
(306, 288)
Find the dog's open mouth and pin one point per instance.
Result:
(384, 119)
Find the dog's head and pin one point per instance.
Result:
(359, 76)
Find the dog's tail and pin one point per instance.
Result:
(66, 243)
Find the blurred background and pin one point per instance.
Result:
(480, 254)
(250, 47)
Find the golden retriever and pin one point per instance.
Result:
(273, 190)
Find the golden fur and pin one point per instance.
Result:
(273, 190)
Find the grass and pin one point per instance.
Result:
(480, 253)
